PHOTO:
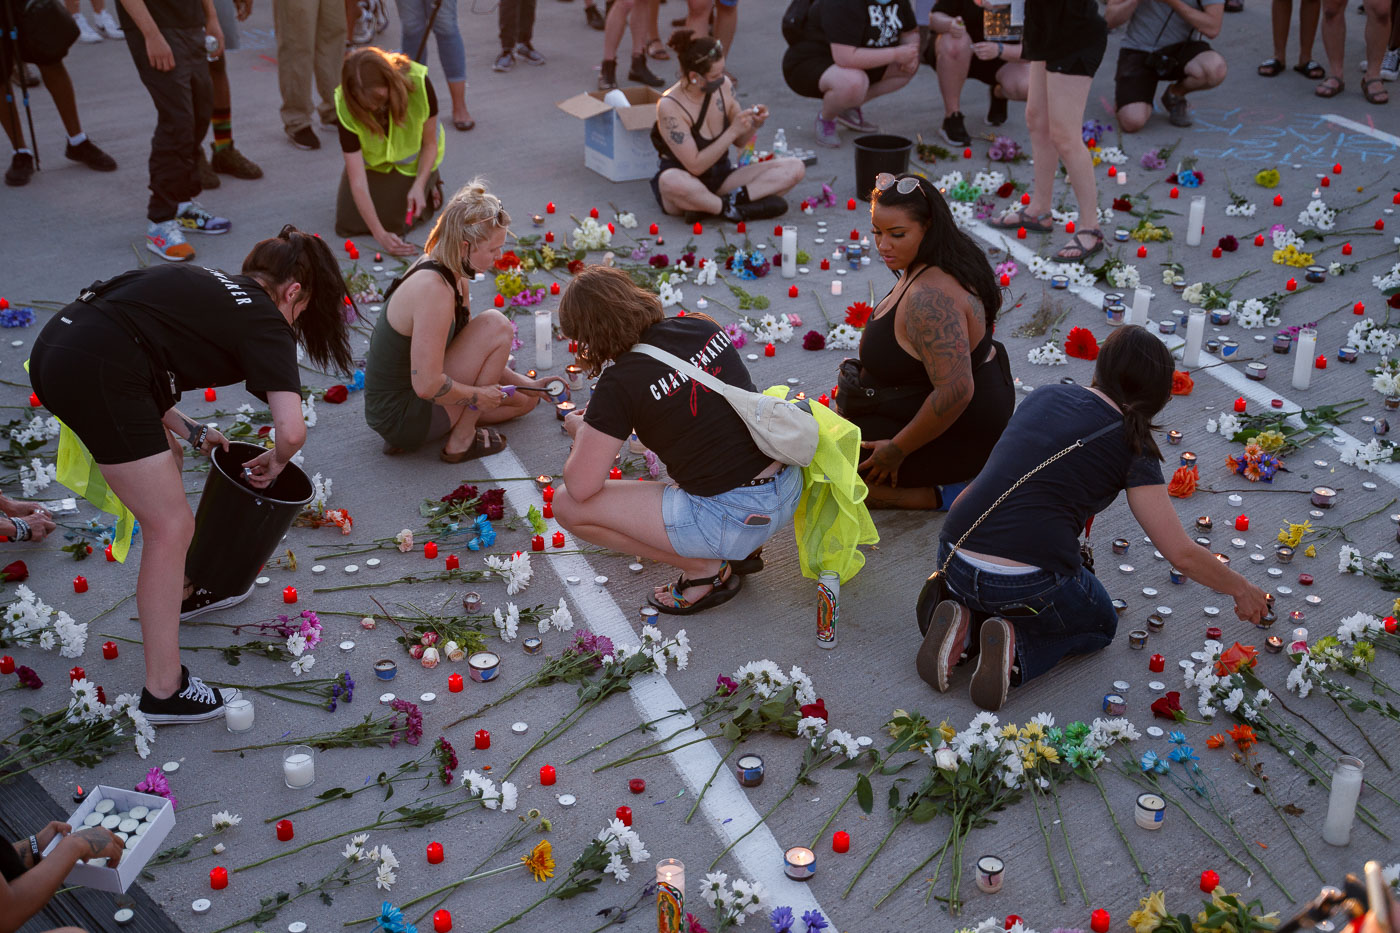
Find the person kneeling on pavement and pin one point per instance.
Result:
(1009, 552)
(1164, 41)
(697, 120)
(959, 50)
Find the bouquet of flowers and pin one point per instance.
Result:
(29, 621)
(1256, 464)
(84, 732)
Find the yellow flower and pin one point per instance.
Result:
(1395, 608)
(1009, 731)
(1311, 551)
(1049, 752)
(1032, 731)
(1270, 440)
(946, 731)
(1028, 760)
(1293, 534)
(540, 861)
(1151, 911)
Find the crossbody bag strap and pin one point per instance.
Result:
(1014, 486)
(685, 367)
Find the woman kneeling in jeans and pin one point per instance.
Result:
(1039, 603)
(729, 496)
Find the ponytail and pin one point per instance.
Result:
(1134, 369)
(323, 328)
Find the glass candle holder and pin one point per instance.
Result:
(238, 715)
(990, 874)
(670, 895)
(299, 766)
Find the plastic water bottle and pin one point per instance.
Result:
(211, 45)
(780, 147)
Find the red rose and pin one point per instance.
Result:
(1182, 383)
(336, 394)
(14, 573)
(1081, 344)
(507, 261)
(1228, 244)
(1169, 707)
(815, 710)
(1183, 483)
(813, 340)
(575, 266)
(1394, 300)
(1122, 204)
(1007, 189)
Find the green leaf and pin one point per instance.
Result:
(925, 811)
(333, 792)
(731, 732)
(865, 794)
(894, 797)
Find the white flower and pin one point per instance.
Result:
(37, 476)
(591, 235)
(561, 619)
(988, 182)
(404, 540)
(1246, 209)
(296, 644)
(1249, 314)
(1233, 700)
(1357, 625)
(308, 411)
(678, 649)
(1317, 214)
(224, 819)
(748, 896)
(949, 180)
(668, 294)
(320, 493)
(1124, 276)
(713, 887)
(1113, 155)
(353, 852)
(1367, 456)
(1229, 425)
(384, 878)
(946, 758)
(803, 691)
(1048, 354)
(617, 868)
(764, 676)
(1193, 293)
(516, 571)
(387, 857)
(810, 727)
(509, 796)
(1349, 560)
(304, 663)
(479, 787)
(627, 220)
(1298, 682)
(844, 742)
(843, 337)
(509, 623)
(1285, 238)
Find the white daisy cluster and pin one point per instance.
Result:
(1124, 276)
(618, 842)
(1388, 281)
(308, 411)
(302, 660)
(1386, 379)
(1335, 269)
(1106, 733)
(224, 819)
(591, 235)
(843, 337)
(1194, 293)
(30, 621)
(1358, 625)
(1112, 155)
(383, 856)
(320, 493)
(37, 476)
(1240, 209)
(1047, 354)
(705, 275)
(988, 182)
(733, 902)
(84, 705)
(1105, 215)
(627, 220)
(480, 787)
(803, 692)
(948, 181)
(963, 213)
(811, 728)
(1216, 691)
(1349, 560)
(1318, 215)
(1365, 457)
(1043, 269)
(1286, 238)
(1171, 277)
(1063, 217)
(516, 571)
(770, 329)
(1369, 337)
(508, 623)
(1228, 425)
(839, 740)
(38, 429)
(765, 677)
(561, 619)
(982, 732)
(668, 293)
(662, 648)
(1300, 678)
(1250, 314)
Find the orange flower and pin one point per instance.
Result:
(1215, 741)
(1182, 383)
(1183, 482)
(1233, 464)
(1235, 657)
(1243, 735)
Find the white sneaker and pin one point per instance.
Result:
(107, 25)
(85, 31)
(1390, 66)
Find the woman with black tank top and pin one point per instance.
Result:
(433, 369)
(939, 387)
(697, 120)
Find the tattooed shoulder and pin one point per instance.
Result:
(935, 327)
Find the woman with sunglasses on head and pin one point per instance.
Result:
(931, 390)
(697, 120)
(111, 367)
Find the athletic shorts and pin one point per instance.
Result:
(803, 71)
(731, 525)
(1136, 83)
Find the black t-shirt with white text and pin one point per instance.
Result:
(866, 24)
(207, 328)
(695, 432)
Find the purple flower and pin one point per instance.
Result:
(653, 464)
(725, 685)
(736, 335)
(588, 644)
(310, 628)
(155, 783)
(412, 729)
(27, 677)
(781, 919)
(1093, 129)
(1008, 269)
(1276, 228)
(447, 759)
(815, 921)
(1152, 161)
(349, 687)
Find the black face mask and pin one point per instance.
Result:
(709, 87)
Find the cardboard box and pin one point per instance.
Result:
(617, 141)
(139, 849)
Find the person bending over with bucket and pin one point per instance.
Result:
(111, 367)
(728, 497)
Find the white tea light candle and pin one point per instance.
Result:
(800, 863)
(299, 766)
(1149, 811)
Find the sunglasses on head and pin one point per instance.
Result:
(905, 185)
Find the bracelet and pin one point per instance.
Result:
(1001, 50)
(34, 848)
(203, 433)
(22, 531)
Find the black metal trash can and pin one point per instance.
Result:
(881, 152)
(237, 527)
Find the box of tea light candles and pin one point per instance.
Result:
(141, 821)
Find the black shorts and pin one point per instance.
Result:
(804, 65)
(712, 178)
(984, 70)
(1135, 82)
(91, 375)
(1082, 62)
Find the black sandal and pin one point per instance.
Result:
(1311, 70)
(722, 590)
(1272, 68)
(749, 565)
(1076, 251)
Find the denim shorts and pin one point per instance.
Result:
(724, 526)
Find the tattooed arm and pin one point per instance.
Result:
(26, 895)
(674, 125)
(935, 327)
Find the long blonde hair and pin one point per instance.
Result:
(370, 68)
(469, 217)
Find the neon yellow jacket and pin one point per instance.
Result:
(398, 151)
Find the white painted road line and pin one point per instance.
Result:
(726, 808)
(1362, 128)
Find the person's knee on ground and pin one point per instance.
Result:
(1133, 117)
(843, 88)
(1206, 70)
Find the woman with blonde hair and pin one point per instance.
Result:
(434, 370)
(392, 143)
(727, 497)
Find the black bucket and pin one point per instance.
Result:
(882, 152)
(237, 527)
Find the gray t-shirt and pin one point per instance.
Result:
(1154, 17)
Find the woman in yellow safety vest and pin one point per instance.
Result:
(392, 143)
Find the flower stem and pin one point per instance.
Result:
(1142, 872)
(713, 774)
(943, 853)
(761, 820)
(636, 755)
(451, 886)
(1049, 855)
(871, 857)
(505, 923)
(839, 807)
(645, 726)
(665, 751)
(1064, 831)
(912, 872)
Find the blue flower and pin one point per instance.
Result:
(390, 918)
(1189, 179)
(815, 921)
(1184, 753)
(1178, 737)
(781, 919)
(1162, 766)
(1148, 761)
(16, 317)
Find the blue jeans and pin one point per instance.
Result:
(413, 15)
(1054, 615)
(733, 524)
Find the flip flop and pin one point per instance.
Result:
(722, 590)
(495, 443)
(1271, 68)
(463, 126)
(1311, 70)
(660, 52)
(1019, 218)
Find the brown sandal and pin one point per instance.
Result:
(660, 52)
(1374, 97)
(1076, 251)
(1331, 86)
(495, 443)
(1019, 218)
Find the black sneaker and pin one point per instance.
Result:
(304, 138)
(953, 130)
(91, 156)
(764, 208)
(640, 72)
(996, 109)
(202, 601)
(1178, 110)
(196, 701)
(20, 171)
(595, 18)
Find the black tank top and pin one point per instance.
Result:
(696, 125)
(459, 313)
(885, 363)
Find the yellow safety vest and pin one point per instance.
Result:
(399, 149)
